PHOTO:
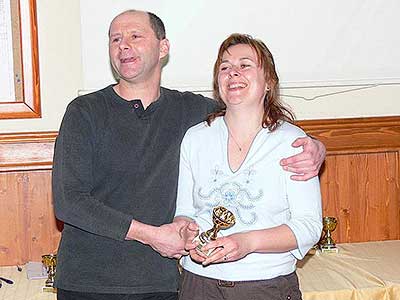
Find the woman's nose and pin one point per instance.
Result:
(234, 72)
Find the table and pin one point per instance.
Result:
(360, 271)
(22, 289)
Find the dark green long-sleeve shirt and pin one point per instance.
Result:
(114, 162)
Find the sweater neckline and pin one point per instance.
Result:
(128, 103)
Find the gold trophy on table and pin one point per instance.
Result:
(327, 244)
(50, 262)
(222, 219)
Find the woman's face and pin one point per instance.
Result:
(241, 80)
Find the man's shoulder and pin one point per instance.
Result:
(90, 100)
(189, 98)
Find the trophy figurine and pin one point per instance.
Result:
(327, 244)
(222, 219)
(50, 262)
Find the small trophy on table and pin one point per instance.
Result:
(222, 219)
(327, 244)
(50, 262)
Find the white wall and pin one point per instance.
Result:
(342, 102)
(356, 41)
(59, 61)
(316, 44)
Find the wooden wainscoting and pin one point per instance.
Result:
(28, 228)
(360, 181)
(360, 185)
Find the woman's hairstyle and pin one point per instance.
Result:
(274, 110)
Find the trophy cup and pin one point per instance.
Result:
(327, 244)
(222, 219)
(50, 262)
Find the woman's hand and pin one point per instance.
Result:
(197, 256)
(229, 248)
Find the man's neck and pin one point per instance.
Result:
(147, 92)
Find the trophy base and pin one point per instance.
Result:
(312, 251)
(49, 289)
(328, 249)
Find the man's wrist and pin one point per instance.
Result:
(140, 232)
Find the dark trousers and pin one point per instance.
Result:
(195, 287)
(70, 295)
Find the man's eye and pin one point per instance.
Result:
(135, 36)
(115, 40)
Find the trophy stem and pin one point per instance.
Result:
(212, 233)
(329, 240)
(50, 280)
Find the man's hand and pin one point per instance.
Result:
(188, 233)
(169, 240)
(307, 163)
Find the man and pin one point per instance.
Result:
(115, 173)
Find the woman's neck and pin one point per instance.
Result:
(242, 124)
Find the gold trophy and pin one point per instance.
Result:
(222, 219)
(50, 262)
(327, 244)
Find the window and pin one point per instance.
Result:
(19, 64)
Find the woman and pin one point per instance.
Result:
(232, 160)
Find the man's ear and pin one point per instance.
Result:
(164, 48)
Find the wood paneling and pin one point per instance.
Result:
(362, 191)
(359, 182)
(28, 227)
(26, 151)
(358, 135)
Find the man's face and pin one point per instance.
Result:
(135, 52)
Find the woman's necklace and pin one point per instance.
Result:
(234, 140)
(240, 148)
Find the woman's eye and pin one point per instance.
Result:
(243, 66)
(224, 68)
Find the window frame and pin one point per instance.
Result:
(27, 106)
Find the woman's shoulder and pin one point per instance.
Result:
(203, 128)
(202, 132)
(287, 130)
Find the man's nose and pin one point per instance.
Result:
(124, 44)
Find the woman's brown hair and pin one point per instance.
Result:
(274, 110)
